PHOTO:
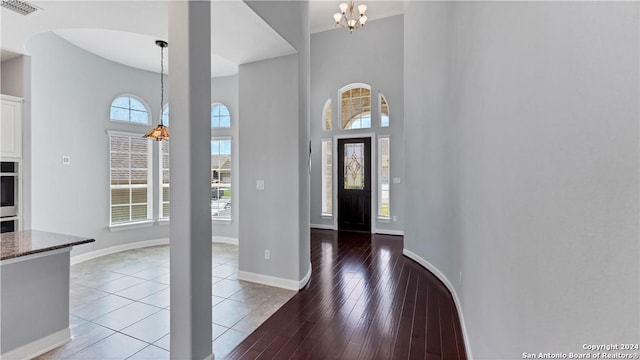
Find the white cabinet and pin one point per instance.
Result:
(11, 127)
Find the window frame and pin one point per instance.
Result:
(144, 103)
(345, 89)
(149, 185)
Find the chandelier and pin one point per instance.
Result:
(160, 132)
(347, 18)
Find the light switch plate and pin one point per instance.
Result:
(396, 180)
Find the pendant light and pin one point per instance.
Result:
(160, 132)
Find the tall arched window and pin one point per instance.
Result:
(220, 117)
(355, 106)
(131, 109)
(326, 116)
(221, 169)
(384, 111)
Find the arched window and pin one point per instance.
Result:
(355, 106)
(165, 115)
(326, 116)
(384, 111)
(220, 117)
(130, 109)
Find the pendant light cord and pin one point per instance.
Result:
(162, 85)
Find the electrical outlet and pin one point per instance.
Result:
(260, 184)
(66, 160)
(267, 254)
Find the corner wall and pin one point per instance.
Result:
(526, 194)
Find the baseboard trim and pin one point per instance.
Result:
(225, 240)
(434, 270)
(39, 347)
(322, 226)
(305, 279)
(269, 280)
(115, 249)
(389, 232)
(139, 245)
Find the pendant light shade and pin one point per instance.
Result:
(160, 132)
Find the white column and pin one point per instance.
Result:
(190, 98)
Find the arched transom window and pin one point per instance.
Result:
(355, 106)
(220, 117)
(130, 109)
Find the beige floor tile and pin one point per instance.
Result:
(151, 353)
(126, 316)
(226, 342)
(150, 329)
(100, 307)
(115, 347)
(142, 290)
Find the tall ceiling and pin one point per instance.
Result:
(125, 31)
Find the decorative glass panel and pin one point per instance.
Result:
(354, 166)
(384, 112)
(355, 107)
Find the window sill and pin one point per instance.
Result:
(163, 222)
(384, 219)
(130, 226)
(327, 216)
(220, 221)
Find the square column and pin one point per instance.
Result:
(190, 102)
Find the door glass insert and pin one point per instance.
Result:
(353, 166)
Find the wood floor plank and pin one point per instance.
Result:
(364, 300)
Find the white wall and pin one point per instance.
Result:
(522, 123)
(373, 56)
(290, 19)
(72, 91)
(269, 152)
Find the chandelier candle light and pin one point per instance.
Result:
(347, 17)
(160, 132)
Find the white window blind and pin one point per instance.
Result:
(383, 177)
(327, 177)
(130, 160)
(164, 179)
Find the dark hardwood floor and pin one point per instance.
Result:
(365, 300)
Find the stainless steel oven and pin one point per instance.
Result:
(8, 189)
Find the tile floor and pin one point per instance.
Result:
(119, 305)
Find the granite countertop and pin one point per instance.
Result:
(27, 242)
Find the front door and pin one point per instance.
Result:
(354, 184)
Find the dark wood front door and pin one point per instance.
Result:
(354, 184)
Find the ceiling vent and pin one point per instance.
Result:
(21, 7)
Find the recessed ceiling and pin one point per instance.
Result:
(125, 32)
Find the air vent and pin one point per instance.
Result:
(21, 7)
